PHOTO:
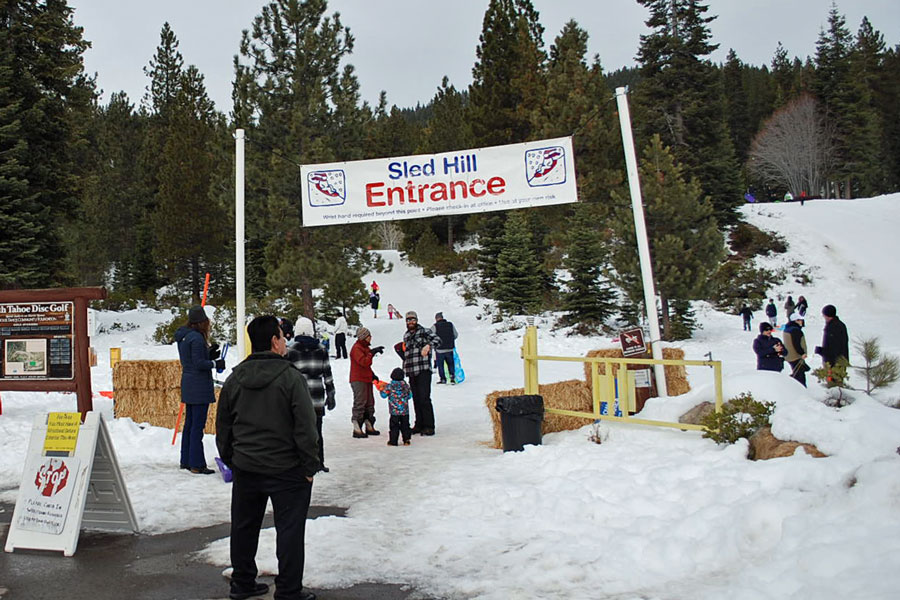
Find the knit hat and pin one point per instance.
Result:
(304, 327)
(398, 374)
(197, 315)
(797, 317)
(362, 333)
(438, 316)
(764, 327)
(412, 315)
(287, 327)
(829, 310)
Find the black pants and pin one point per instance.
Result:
(400, 424)
(290, 492)
(798, 370)
(420, 384)
(320, 414)
(445, 358)
(340, 345)
(746, 324)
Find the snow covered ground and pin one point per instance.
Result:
(648, 514)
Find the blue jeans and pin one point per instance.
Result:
(192, 435)
(442, 359)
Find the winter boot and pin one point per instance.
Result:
(370, 429)
(358, 432)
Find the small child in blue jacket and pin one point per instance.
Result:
(398, 394)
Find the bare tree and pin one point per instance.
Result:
(389, 235)
(794, 148)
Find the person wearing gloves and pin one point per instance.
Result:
(311, 358)
(795, 343)
(415, 349)
(340, 337)
(361, 380)
(198, 359)
(769, 350)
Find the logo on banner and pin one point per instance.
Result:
(51, 477)
(326, 188)
(545, 166)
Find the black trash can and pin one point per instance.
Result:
(520, 421)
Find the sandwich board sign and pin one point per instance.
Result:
(71, 481)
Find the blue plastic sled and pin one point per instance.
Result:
(459, 373)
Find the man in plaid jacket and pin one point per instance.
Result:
(311, 359)
(418, 342)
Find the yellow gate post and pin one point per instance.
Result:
(115, 355)
(529, 359)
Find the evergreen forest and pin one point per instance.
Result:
(137, 194)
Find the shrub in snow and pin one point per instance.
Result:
(879, 370)
(834, 377)
(741, 417)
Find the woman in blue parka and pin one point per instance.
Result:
(197, 362)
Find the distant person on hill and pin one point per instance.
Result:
(788, 196)
(772, 312)
(398, 394)
(374, 299)
(747, 316)
(770, 352)
(198, 359)
(802, 305)
(789, 306)
(311, 358)
(361, 380)
(795, 342)
(835, 342)
(340, 337)
(444, 352)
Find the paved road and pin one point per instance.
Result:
(142, 567)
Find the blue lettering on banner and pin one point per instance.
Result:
(405, 170)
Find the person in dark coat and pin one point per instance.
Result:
(444, 352)
(374, 300)
(770, 352)
(266, 434)
(802, 305)
(198, 359)
(835, 342)
(789, 306)
(311, 358)
(795, 343)
(772, 312)
(747, 315)
(415, 349)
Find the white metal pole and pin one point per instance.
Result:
(241, 308)
(640, 230)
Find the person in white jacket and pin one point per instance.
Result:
(340, 337)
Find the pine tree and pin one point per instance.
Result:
(680, 97)
(737, 106)
(685, 242)
(299, 106)
(589, 299)
(847, 104)
(517, 287)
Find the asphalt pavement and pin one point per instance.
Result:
(145, 567)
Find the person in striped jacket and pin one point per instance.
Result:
(311, 358)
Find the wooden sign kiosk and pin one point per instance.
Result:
(44, 343)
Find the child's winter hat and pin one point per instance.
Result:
(398, 374)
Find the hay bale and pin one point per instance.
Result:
(764, 445)
(676, 376)
(566, 395)
(149, 391)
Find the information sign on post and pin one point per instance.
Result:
(632, 342)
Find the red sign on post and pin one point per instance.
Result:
(632, 341)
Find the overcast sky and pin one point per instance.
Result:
(405, 47)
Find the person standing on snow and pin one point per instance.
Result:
(747, 315)
(444, 352)
(266, 434)
(415, 350)
(770, 352)
(198, 359)
(398, 393)
(311, 358)
(772, 312)
(340, 336)
(802, 305)
(789, 306)
(361, 380)
(795, 342)
(835, 342)
(374, 299)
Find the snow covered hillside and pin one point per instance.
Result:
(652, 514)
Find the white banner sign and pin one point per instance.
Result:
(429, 185)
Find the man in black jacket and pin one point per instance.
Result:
(266, 433)
(835, 342)
(444, 352)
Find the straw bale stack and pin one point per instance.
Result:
(149, 391)
(676, 376)
(568, 395)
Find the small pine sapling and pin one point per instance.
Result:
(834, 377)
(880, 370)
